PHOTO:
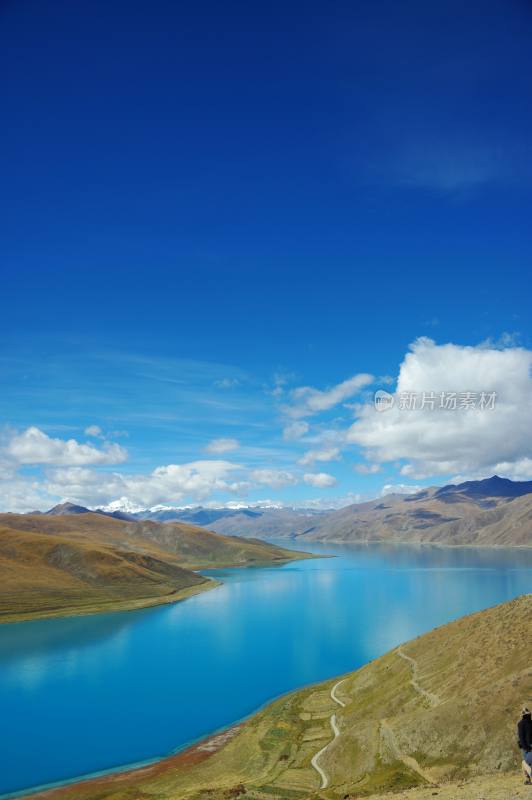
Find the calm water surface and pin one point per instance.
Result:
(86, 694)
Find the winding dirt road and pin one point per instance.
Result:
(336, 733)
(386, 732)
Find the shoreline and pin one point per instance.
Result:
(188, 756)
(446, 545)
(136, 604)
(112, 606)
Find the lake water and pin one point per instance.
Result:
(87, 694)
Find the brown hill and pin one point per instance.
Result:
(275, 523)
(45, 575)
(431, 518)
(437, 713)
(491, 512)
(87, 562)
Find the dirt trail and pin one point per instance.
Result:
(433, 699)
(336, 733)
(386, 732)
(388, 736)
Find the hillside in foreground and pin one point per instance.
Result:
(84, 563)
(435, 716)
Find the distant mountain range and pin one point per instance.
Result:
(64, 509)
(494, 511)
(200, 515)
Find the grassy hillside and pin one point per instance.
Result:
(43, 576)
(84, 563)
(437, 711)
(198, 548)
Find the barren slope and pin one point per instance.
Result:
(490, 512)
(44, 575)
(89, 562)
(449, 516)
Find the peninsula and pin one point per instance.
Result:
(84, 563)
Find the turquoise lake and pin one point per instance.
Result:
(87, 694)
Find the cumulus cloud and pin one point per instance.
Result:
(326, 454)
(83, 485)
(306, 400)
(33, 446)
(165, 484)
(21, 494)
(171, 483)
(437, 441)
(219, 446)
(295, 430)
(321, 480)
(276, 478)
(175, 481)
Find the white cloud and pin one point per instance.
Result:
(321, 480)
(94, 431)
(295, 430)
(219, 446)
(506, 339)
(443, 441)
(520, 470)
(8, 468)
(165, 484)
(175, 481)
(33, 446)
(367, 469)
(326, 454)
(275, 478)
(305, 400)
(399, 488)
(280, 381)
(21, 494)
(85, 486)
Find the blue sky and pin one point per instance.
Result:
(209, 207)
